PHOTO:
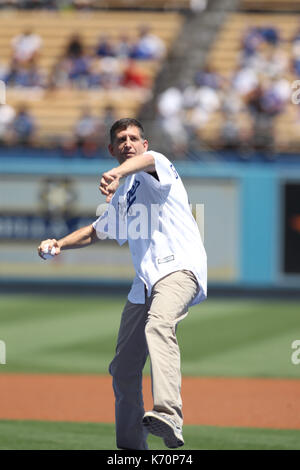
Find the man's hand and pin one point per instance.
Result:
(109, 184)
(51, 243)
(111, 179)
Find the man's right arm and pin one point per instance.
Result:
(80, 238)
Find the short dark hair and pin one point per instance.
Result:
(123, 124)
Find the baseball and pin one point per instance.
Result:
(46, 253)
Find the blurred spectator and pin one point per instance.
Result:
(95, 73)
(184, 110)
(207, 99)
(251, 41)
(230, 135)
(201, 101)
(273, 62)
(3, 71)
(266, 102)
(232, 102)
(10, 76)
(236, 134)
(75, 47)
(296, 36)
(79, 71)
(7, 115)
(90, 133)
(59, 75)
(23, 127)
(261, 54)
(198, 6)
(270, 34)
(148, 46)
(86, 72)
(133, 76)
(255, 36)
(206, 102)
(170, 108)
(244, 81)
(34, 77)
(105, 47)
(110, 73)
(275, 96)
(296, 56)
(170, 102)
(123, 47)
(208, 77)
(270, 97)
(26, 47)
(85, 131)
(25, 76)
(85, 135)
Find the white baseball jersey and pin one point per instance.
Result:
(156, 220)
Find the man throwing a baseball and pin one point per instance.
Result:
(171, 275)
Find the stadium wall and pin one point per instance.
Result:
(246, 225)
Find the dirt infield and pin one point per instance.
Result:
(263, 403)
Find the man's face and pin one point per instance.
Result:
(128, 143)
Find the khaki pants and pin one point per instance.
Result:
(150, 329)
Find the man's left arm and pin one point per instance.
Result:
(111, 179)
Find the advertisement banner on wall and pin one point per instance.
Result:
(291, 263)
(35, 208)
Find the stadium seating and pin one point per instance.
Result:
(223, 58)
(56, 111)
(152, 4)
(225, 51)
(271, 5)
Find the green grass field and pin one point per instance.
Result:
(35, 435)
(77, 334)
(218, 338)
